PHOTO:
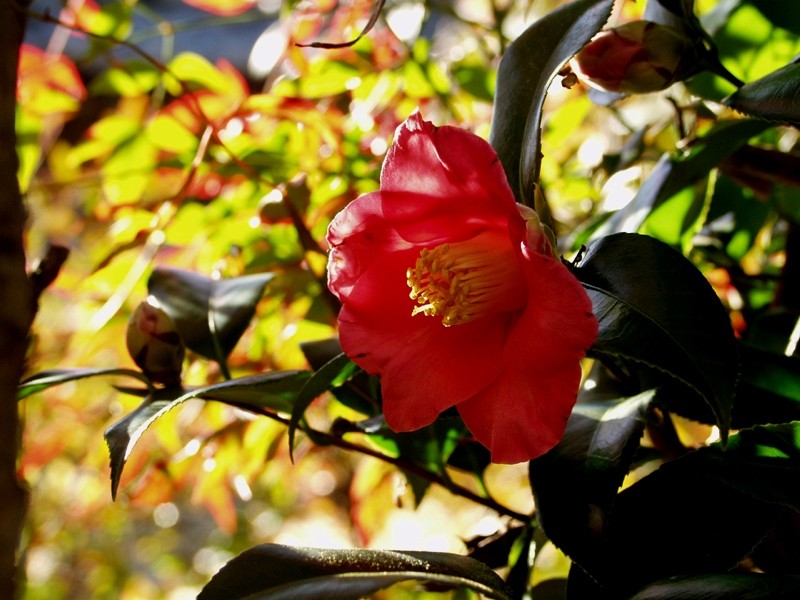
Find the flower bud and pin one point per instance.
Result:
(636, 58)
(154, 343)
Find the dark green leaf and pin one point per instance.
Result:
(575, 483)
(700, 513)
(525, 73)
(359, 393)
(774, 97)
(723, 586)
(762, 462)
(45, 379)
(122, 436)
(273, 571)
(273, 390)
(210, 314)
(332, 374)
(655, 308)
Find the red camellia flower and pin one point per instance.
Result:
(451, 293)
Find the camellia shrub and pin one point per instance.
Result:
(416, 255)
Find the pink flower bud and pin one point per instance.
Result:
(637, 57)
(154, 343)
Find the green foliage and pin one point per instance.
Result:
(210, 190)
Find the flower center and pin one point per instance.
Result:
(466, 280)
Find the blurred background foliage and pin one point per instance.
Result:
(119, 166)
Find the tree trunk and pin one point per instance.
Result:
(15, 301)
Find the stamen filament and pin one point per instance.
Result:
(463, 281)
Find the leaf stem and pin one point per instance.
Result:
(322, 437)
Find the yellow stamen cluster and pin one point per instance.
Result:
(463, 280)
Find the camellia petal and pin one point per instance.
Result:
(523, 413)
(452, 296)
(447, 162)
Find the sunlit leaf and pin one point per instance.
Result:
(111, 19)
(193, 68)
(45, 379)
(273, 390)
(128, 172)
(136, 78)
(734, 218)
(673, 174)
(277, 572)
(167, 133)
(656, 309)
(525, 73)
(327, 78)
(48, 83)
(775, 97)
(210, 314)
(223, 8)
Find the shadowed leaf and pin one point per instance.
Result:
(333, 373)
(210, 314)
(774, 97)
(274, 390)
(45, 379)
(655, 308)
(525, 73)
(274, 571)
(723, 586)
(575, 483)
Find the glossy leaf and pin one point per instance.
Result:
(526, 70)
(274, 390)
(210, 314)
(360, 391)
(655, 309)
(575, 483)
(722, 586)
(333, 373)
(774, 97)
(271, 571)
(45, 379)
(737, 496)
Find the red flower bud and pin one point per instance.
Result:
(154, 343)
(636, 58)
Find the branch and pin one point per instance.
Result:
(322, 437)
(15, 299)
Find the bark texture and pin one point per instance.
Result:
(15, 301)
